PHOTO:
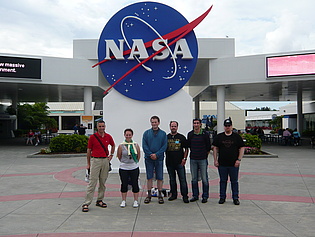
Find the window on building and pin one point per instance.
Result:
(55, 118)
(309, 122)
(68, 122)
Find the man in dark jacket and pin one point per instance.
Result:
(200, 146)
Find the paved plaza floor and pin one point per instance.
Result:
(42, 197)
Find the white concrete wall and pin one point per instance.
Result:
(121, 112)
(308, 108)
(216, 48)
(66, 71)
(249, 69)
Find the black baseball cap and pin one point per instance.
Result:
(227, 122)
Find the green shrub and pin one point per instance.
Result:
(252, 140)
(69, 143)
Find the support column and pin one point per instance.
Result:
(14, 103)
(299, 111)
(87, 100)
(197, 106)
(87, 118)
(59, 123)
(220, 108)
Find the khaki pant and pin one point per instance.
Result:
(99, 171)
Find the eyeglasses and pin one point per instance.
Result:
(227, 125)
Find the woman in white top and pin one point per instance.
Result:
(129, 155)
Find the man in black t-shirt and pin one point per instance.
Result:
(176, 156)
(82, 129)
(228, 151)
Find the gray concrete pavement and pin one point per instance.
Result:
(43, 197)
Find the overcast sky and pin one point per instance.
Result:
(48, 27)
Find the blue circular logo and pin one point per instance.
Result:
(145, 52)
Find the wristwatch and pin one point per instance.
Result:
(185, 158)
(239, 159)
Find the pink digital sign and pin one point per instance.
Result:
(291, 65)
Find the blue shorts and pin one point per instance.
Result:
(154, 165)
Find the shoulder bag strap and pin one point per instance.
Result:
(99, 140)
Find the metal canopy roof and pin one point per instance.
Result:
(29, 92)
(285, 89)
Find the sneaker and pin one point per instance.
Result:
(135, 204)
(221, 201)
(185, 200)
(236, 202)
(123, 203)
(204, 200)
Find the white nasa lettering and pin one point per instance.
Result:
(157, 45)
(138, 49)
(112, 47)
(182, 48)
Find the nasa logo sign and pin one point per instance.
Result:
(148, 51)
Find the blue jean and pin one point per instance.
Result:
(181, 172)
(201, 165)
(224, 172)
(152, 166)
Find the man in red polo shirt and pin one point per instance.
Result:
(98, 159)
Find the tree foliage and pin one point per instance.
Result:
(263, 109)
(34, 116)
(276, 123)
(266, 108)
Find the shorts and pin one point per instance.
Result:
(154, 165)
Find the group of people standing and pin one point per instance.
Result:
(228, 150)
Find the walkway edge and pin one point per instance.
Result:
(38, 155)
(268, 155)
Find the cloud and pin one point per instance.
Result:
(291, 33)
(48, 27)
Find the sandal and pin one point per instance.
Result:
(85, 208)
(147, 200)
(161, 200)
(100, 203)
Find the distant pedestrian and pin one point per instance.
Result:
(37, 135)
(286, 136)
(82, 129)
(296, 137)
(76, 129)
(30, 137)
